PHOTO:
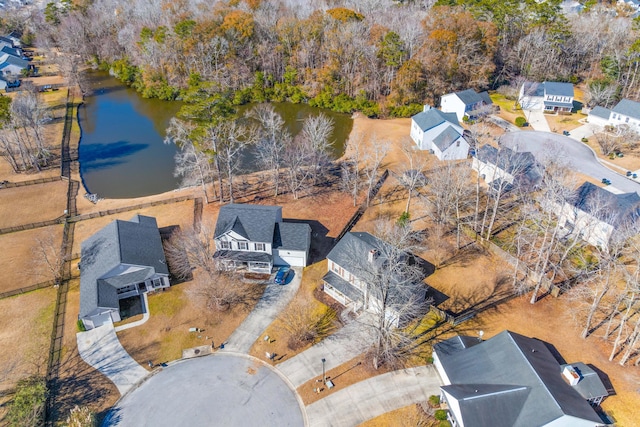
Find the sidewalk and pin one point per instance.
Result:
(272, 302)
(375, 396)
(145, 316)
(101, 349)
(350, 341)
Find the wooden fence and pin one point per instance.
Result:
(91, 215)
(7, 184)
(26, 289)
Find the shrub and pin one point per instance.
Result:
(584, 139)
(520, 121)
(80, 326)
(440, 415)
(434, 400)
(404, 219)
(27, 407)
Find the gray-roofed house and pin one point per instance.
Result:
(122, 260)
(440, 133)
(352, 263)
(514, 381)
(517, 168)
(467, 103)
(12, 66)
(594, 213)
(256, 237)
(547, 96)
(625, 113)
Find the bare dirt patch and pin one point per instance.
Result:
(24, 205)
(25, 334)
(19, 265)
(550, 320)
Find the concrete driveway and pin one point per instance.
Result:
(585, 131)
(274, 299)
(101, 349)
(217, 390)
(537, 120)
(375, 396)
(574, 154)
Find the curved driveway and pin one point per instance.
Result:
(575, 154)
(222, 389)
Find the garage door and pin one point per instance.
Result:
(293, 259)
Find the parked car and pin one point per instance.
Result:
(281, 276)
(606, 181)
(629, 173)
(566, 133)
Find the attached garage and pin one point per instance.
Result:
(291, 244)
(289, 257)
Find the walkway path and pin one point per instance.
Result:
(101, 349)
(344, 345)
(145, 316)
(274, 300)
(375, 396)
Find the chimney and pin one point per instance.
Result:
(373, 254)
(571, 375)
(426, 107)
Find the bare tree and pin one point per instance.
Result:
(317, 131)
(305, 324)
(274, 137)
(48, 256)
(350, 168)
(298, 155)
(413, 173)
(372, 162)
(237, 137)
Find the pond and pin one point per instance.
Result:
(122, 153)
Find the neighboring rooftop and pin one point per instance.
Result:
(628, 107)
(432, 118)
(509, 380)
(558, 88)
(253, 222)
(470, 97)
(602, 112)
(607, 206)
(446, 138)
(522, 164)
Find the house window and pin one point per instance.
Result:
(243, 246)
(259, 247)
(225, 245)
(458, 143)
(626, 120)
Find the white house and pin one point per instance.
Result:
(439, 132)
(11, 66)
(595, 213)
(625, 113)
(124, 259)
(467, 103)
(514, 381)
(353, 263)
(256, 237)
(515, 168)
(547, 96)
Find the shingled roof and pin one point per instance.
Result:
(521, 164)
(446, 138)
(628, 107)
(470, 97)
(607, 206)
(121, 253)
(253, 222)
(510, 380)
(432, 118)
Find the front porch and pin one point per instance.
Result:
(258, 262)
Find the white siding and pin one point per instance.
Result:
(292, 258)
(450, 103)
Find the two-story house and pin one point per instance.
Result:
(625, 113)
(547, 96)
(511, 380)
(256, 237)
(354, 271)
(467, 103)
(124, 259)
(595, 213)
(517, 169)
(440, 133)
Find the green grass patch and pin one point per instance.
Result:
(167, 303)
(504, 103)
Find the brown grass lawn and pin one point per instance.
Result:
(163, 337)
(409, 416)
(25, 335)
(559, 123)
(551, 320)
(630, 161)
(278, 335)
(19, 265)
(24, 205)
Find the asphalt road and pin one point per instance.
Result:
(217, 390)
(574, 154)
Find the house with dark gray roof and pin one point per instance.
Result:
(257, 238)
(467, 103)
(439, 132)
(353, 266)
(594, 214)
(124, 259)
(514, 381)
(547, 96)
(12, 66)
(517, 169)
(625, 113)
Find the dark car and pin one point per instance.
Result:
(606, 181)
(281, 276)
(566, 133)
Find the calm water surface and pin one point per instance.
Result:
(122, 154)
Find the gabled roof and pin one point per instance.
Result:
(523, 372)
(292, 235)
(533, 89)
(446, 138)
(590, 385)
(432, 118)
(469, 97)
(11, 51)
(558, 88)
(6, 40)
(522, 164)
(121, 243)
(628, 107)
(253, 222)
(605, 205)
(602, 112)
(13, 60)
